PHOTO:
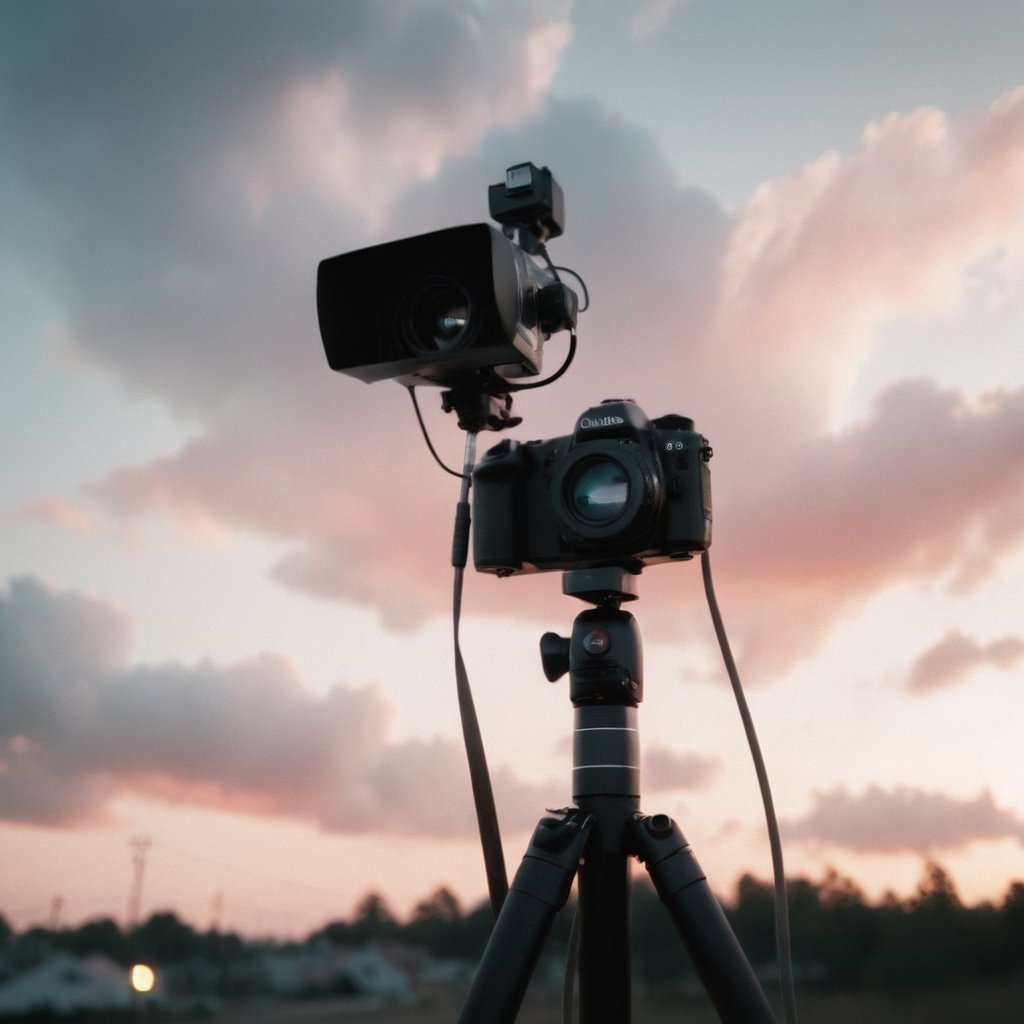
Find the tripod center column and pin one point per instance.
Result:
(605, 686)
(605, 751)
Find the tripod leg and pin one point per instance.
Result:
(539, 890)
(681, 885)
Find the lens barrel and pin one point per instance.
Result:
(606, 491)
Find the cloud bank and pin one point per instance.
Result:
(952, 659)
(186, 265)
(81, 727)
(903, 819)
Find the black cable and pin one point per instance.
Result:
(426, 436)
(570, 355)
(543, 250)
(583, 285)
(558, 373)
(483, 795)
(782, 933)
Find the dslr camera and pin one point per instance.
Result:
(621, 490)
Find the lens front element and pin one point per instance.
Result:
(435, 316)
(606, 494)
(598, 490)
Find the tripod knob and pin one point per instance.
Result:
(554, 656)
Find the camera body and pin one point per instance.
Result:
(621, 490)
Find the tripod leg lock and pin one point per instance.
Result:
(549, 865)
(666, 854)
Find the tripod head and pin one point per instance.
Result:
(603, 656)
(479, 410)
(606, 586)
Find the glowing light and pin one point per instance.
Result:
(143, 978)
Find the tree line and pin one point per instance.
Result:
(840, 939)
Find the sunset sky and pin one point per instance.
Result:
(224, 569)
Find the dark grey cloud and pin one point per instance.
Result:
(52, 647)
(956, 655)
(81, 727)
(903, 819)
(180, 168)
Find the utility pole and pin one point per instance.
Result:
(140, 847)
(56, 905)
(218, 911)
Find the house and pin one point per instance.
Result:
(324, 969)
(371, 972)
(67, 985)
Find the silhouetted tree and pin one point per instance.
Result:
(928, 940)
(753, 919)
(848, 934)
(100, 936)
(164, 939)
(440, 905)
(436, 924)
(220, 947)
(340, 933)
(1011, 927)
(925, 941)
(374, 921)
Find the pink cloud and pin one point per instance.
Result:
(916, 491)
(82, 727)
(818, 258)
(888, 821)
(665, 770)
(754, 326)
(61, 513)
(956, 655)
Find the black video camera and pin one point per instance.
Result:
(468, 307)
(621, 490)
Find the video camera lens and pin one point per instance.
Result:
(435, 315)
(598, 490)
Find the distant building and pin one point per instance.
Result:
(68, 985)
(324, 969)
(371, 972)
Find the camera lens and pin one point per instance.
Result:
(606, 494)
(435, 316)
(598, 490)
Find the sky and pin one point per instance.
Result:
(225, 585)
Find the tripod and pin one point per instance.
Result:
(597, 836)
